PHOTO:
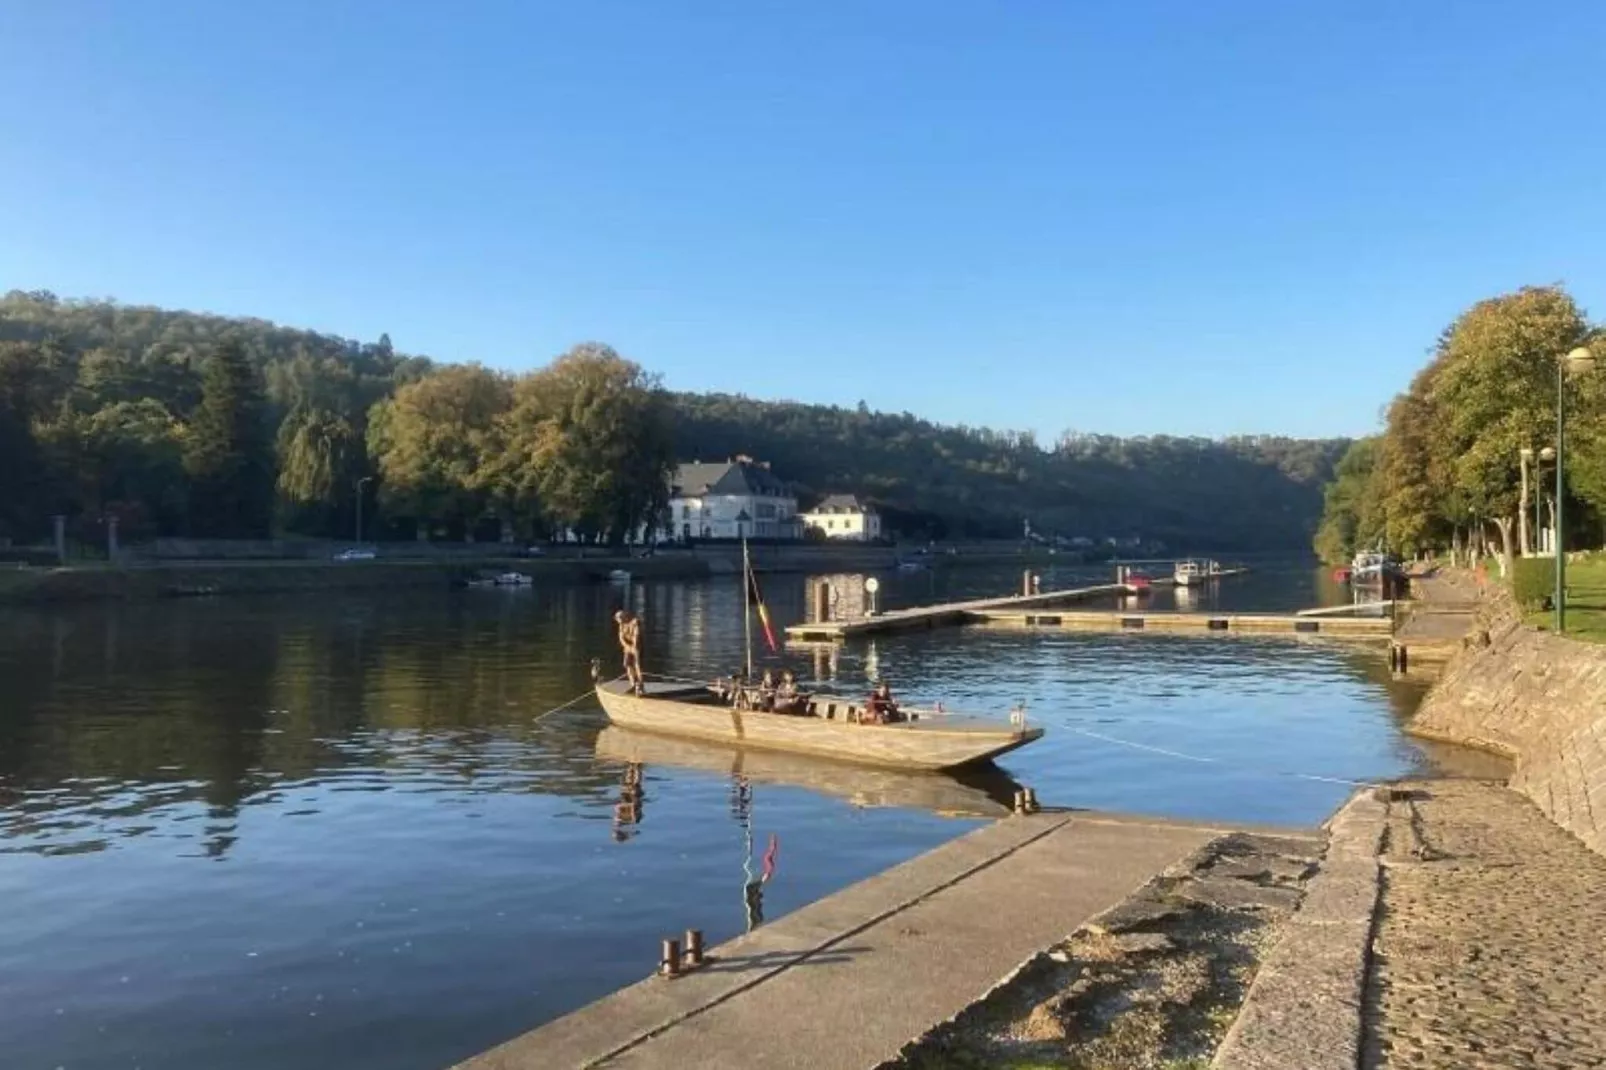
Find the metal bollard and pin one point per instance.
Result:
(1405, 659)
(669, 963)
(694, 947)
(1020, 802)
(1031, 800)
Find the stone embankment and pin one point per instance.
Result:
(1539, 699)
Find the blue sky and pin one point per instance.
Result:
(1144, 217)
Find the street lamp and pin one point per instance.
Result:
(1578, 362)
(360, 482)
(1525, 457)
(1546, 456)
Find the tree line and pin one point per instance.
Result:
(185, 424)
(178, 424)
(1447, 469)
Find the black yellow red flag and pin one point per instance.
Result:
(763, 611)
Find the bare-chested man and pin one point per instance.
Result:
(630, 645)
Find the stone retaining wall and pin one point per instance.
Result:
(1538, 698)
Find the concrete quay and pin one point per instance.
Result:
(846, 982)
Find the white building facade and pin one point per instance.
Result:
(735, 499)
(842, 516)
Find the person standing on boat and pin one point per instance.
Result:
(630, 644)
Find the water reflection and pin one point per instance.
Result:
(986, 791)
(331, 831)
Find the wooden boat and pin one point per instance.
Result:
(926, 740)
(984, 791)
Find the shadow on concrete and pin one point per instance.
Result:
(770, 960)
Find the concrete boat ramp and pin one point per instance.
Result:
(846, 982)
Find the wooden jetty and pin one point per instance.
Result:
(1116, 620)
(943, 613)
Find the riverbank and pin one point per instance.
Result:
(1536, 698)
(168, 579)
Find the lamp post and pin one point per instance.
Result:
(1546, 456)
(1525, 456)
(360, 483)
(1577, 362)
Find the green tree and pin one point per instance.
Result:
(320, 460)
(1494, 394)
(589, 438)
(435, 443)
(1348, 512)
(225, 451)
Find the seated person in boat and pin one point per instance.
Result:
(881, 709)
(788, 699)
(766, 691)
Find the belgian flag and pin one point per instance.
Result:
(757, 599)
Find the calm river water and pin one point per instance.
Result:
(327, 832)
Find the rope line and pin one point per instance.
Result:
(555, 709)
(1090, 734)
(1216, 761)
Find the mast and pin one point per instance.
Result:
(747, 607)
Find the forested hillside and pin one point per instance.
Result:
(183, 423)
(1246, 493)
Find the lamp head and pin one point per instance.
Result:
(1526, 453)
(1548, 453)
(1579, 361)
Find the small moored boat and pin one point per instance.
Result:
(829, 729)
(1194, 573)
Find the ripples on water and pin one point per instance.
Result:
(320, 832)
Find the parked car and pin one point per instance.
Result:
(535, 551)
(356, 553)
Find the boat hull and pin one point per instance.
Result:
(931, 744)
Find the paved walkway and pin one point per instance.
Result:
(1491, 944)
(1448, 604)
(845, 982)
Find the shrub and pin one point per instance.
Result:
(1534, 582)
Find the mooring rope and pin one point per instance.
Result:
(556, 709)
(1090, 734)
(1215, 761)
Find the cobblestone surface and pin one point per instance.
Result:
(1491, 945)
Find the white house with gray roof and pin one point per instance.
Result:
(731, 500)
(843, 516)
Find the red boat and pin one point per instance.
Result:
(1341, 575)
(1139, 582)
